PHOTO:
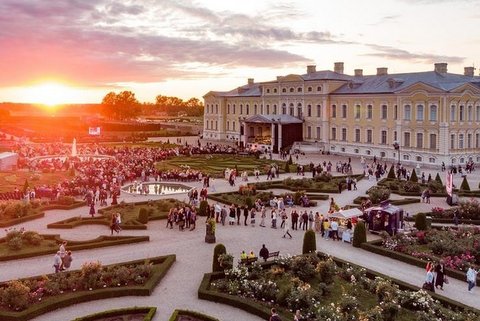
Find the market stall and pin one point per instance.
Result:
(386, 217)
(343, 216)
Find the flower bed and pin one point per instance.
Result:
(323, 288)
(146, 312)
(27, 298)
(13, 248)
(16, 212)
(456, 247)
(156, 210)
(190, 315)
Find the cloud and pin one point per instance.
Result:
(392, 53)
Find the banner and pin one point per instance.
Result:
(449, 183)
(94, 131)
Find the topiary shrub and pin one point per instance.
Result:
(249, 202)
(202, 211)
(359, 234)
(309, 242)
(421, 221)
(465, 186)
(15, 295)
(217, 251)
(438, 179)
(414, 177)
(391, 173)
(290, 162)
(287, 167)
(143, 216)
(378, 194)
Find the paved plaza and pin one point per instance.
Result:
(194, 257)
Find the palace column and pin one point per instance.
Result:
(279, 137)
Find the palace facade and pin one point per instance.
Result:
(415, 118)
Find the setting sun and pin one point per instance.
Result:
(52, 94)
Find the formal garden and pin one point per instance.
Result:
(323, 288)
(215, 164)
(133, 215)
(26, 298)
(20, 244)
(11, 180)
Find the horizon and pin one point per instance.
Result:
(60, 53)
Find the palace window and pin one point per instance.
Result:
(384, 111)
(395, 136)
(383, 139)
(292, 110)
(216, 109)
(369, 111)
(234, 109)
(406, 139)
(299, 89)
(309, 89)
(275, 90)
(433, 112)
(255, 109)
(419, 113)
(477, 140)
(357, 111)
(228, 125)
(344, 111)
(319, 88)
(274, 109)
(248, 109)
(461, 113)
(344, 134)
(453, 113)
(477, 112)
(228, 109)
(395, 112)
(357, 135)
(407, 112)
(268, 90)
(241, 109)
(369, 136)
(319, 111)
(334, 133)
(284, 109)
(284, 90)
(433, 141)
(233, 126)
(419, 140)
(334, 111)
(318, 133)
(469, 141)
(452, 141)
(292, 90)
(309, 110)
(309, 132)
(469, 113)
(460, 141)
(268, 110)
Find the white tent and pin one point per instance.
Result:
(346, 214)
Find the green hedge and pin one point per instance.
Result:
(161, 265)
(101, 241)
(196, 315)
(54, 206)
(20, 220)
(217, 197)
(149, 313)
(408, 200)
(377, 248)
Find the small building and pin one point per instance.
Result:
(8, 161)
(386, 217)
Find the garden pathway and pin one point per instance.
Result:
(194, 257)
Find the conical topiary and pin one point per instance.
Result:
(309, 242)
(391, 173)
(25, 186)
(438, 179)
(465, 186)
(421, 221)
(287, 167)
(414, 177)
(202, 211)
(217, 251)
(143, 216)
(359, 234)
(290, 162)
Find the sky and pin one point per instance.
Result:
(76, 51)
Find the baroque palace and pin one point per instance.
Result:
(414, 118)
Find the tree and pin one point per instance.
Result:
(359, 234)
(438, 179)
(465, 186)
(120, 106)
(217, 251)
(421, 221)
(391, 173)
(309, 242)
(414, 177)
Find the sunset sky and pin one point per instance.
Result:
(78, 50)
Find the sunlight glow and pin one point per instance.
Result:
(52, 94)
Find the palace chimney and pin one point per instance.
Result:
(311, 69)
(382, 71)
(250, 81)
(469, 71)
(358, 72)
(338, 67)
(441, 67)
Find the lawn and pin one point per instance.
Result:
(214, 165)
(10, 180)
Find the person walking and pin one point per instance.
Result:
(252, 216)
(67, 260)
(57, 262)
(429, 280)
(274, 315)
(286, 229)
(92, 209)
(263, 215)
(471, 278)
(440, 275)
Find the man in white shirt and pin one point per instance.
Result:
(334, 228)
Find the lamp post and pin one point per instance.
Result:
(396, 145)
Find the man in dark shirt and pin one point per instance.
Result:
(264, 253)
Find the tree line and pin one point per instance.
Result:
(125, 105)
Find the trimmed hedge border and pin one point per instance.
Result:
(409, 200)
(197, 315)
(263, 311)
(150, 312)
(40, 214)
(217, 197)
(377, 248)
(101, 241)
(161, 267)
